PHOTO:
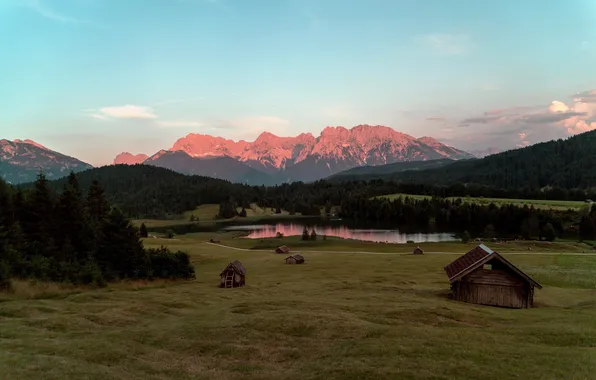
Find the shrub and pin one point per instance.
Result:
(163, 263)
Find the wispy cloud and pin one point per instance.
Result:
(128, 111)
(448, 44)
(434, 118)
(43, 9)
(521, 126)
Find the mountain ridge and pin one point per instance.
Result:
(21, 161)
(304, 157)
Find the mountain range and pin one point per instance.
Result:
(22, 160)
(272, 159)
(268, 160)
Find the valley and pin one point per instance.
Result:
(314, 321)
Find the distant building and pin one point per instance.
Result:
(282, 249)
(295, 259)
(417, 251)
(483, 276)
(233, 276)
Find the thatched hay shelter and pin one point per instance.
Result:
(417, 251)
(295, 259)
(483, 276)
(282, 249)
(233, 276)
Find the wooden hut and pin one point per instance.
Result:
(417, 251)
(483, 276)
(282, 249)
(295, 259)
(233, 276)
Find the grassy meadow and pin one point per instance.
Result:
(543, 204)
(339, 316)
(207, 215)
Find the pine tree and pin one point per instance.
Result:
(305, 234)
(97, 205)
(73, 224)
(242, 213)
(143, 231)
(120, 252)
(39, 219)
(313, 234)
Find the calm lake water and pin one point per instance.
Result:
(262, 231)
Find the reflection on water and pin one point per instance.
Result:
(262, 231)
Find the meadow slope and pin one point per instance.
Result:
(339, 316)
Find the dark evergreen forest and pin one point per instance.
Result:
(75, 236)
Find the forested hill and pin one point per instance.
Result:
(568, 164)
(149, 191)
(373, 172)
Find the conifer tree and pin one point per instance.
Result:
(143, 231)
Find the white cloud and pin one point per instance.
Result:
(448, 44)
(521, 126)
(124, 112)
(180, 123)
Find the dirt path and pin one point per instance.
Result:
(406, 253)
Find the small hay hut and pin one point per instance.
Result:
(282, 249)
(233, 276)
(295, 259)
(483, 276)
(417, 251)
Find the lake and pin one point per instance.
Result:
(262, 231)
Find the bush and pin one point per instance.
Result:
(163, 263)
(170, 234)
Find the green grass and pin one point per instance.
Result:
(337, 244)
(543, 204)
(207, 215)
(339, 316)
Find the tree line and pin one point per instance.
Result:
(76, 237)
(142, 191)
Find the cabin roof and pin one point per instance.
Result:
(236, 266)
(283, 248)
(297, 256)
(418, 249)
(477, 257)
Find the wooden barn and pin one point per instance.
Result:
(483, 276)
(417, 251)
(295, 259)
(282, 249)
(233, 276)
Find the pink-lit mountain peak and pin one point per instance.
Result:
(30, 142)
(129, 158)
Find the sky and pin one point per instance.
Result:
(93, 78)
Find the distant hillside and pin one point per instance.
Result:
(222, 167)
(150, 191)
(21, 161)
(385, 171)
(569, 164)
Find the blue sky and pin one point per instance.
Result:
(92, 78)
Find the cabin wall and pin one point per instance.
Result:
(291, 260)
(496, 287)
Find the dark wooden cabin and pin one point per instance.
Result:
(233, 276)
(295, 259)
(417, 251)
(483, 276)
(282, 249)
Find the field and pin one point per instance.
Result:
(339, 316)
(544, 204)
(207, 214)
